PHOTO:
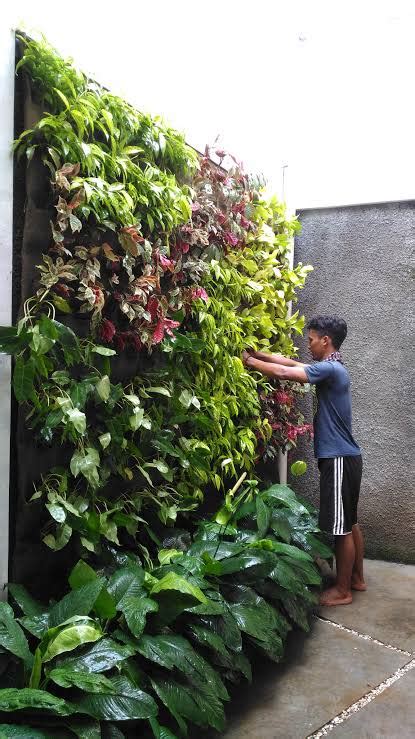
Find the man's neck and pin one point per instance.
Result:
(333, 356)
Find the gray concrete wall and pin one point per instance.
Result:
(363, 258)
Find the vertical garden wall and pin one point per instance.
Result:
(141, 439)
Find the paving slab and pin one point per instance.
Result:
(389, 715)
(324, 674)
(386, 610)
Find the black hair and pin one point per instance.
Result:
(332, 326)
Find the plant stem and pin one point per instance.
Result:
(238, 484)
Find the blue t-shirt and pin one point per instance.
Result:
(333, 419)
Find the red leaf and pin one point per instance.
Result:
(107, 330)
(77, 199)
(152, 307)
(166, 264)
(158, 334)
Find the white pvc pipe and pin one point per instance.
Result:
(283, 456)
(7, 52)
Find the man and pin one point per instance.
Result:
(339, 457)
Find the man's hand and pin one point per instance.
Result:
(245, 356)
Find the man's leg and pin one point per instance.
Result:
(358, 581)
(341, 594)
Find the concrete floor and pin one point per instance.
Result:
(353, 676)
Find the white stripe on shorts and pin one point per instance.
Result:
(335, 496)
(338, 500)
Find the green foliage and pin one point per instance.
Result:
(68, 408)
(125, 157)
(152, 254)
(174, 260)
(244, 587)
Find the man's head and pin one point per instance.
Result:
(325, 335)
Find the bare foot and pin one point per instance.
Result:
(333, 597)
(358, 584)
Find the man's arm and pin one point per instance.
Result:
(277, 371)
(276, 359)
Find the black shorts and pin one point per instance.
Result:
(340, 479)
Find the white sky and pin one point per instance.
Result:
(321, 86)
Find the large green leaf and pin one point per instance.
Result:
(212, 607)
(86, 462)
(103, 388)
(211, 531)
(127, 580)
(166, 650)
(291, 551)
(281, 526)
(85, 728)
(286, 576)
(317, 547)
(239, 593)
(297, 611)
(29, 605)
(12, 636)
(284, 494)
(172, 651)
(241, 663)
(66, 336)
(231, 660)
(211, 707)
(77, 418)
(89, 682)
(173, 594)
(254, 620)
(66, 637)
(82, 574)
(19, 731)
(271, 617)
(208, 638)
(263, 516)
(160, 732)
(254, 563)
(306, 571)
(135, 609)
(126, 703)
(36, 625)
(79, 393)
(15, 699)
(12, 342)
(227, 628)
(79, 602)
(187, 703)
(215, 548)
(48, 327)
(23, 379)
(102, 656)
(273, 646)
(179, 701)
